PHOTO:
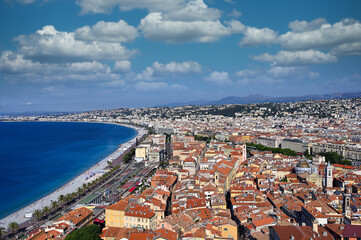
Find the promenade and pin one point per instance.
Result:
(71, 186)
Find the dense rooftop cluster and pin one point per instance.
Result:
(210, 185)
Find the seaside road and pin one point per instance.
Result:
(32, 224)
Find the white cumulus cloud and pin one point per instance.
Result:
(195, 10)
(48, 45)
(321, 35)
(172, 68)
(107, 32)
(178, 67)
(297, 57)
(257, 36)
(304, 26)
(275, 74)
(219, 78)
(156, 28)
(122, 66)
(158, 86)
(98, 6)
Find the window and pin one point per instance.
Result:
(225, 229)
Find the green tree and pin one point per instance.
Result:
(62, 199)
(54, 205)
(307, 154)
(68, 198)
(90, 232)
(334, 157)
(79, 191)
(2, 231)
(46, 210)
(37, 214)
(13, 226)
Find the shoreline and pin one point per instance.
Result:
(72, 185)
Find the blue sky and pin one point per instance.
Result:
(63, 55)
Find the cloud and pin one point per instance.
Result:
(319, 34)
(296, 58)
(12, 63)
(25, 1)
(347, 49)
(283, 72)
(122, 66)
(257, 36)
(50, 45)
(173, 68)
(219, 78)
(15, 63)
(247, 73)
(235, 14)
(107, 32)
(19, 69)
(195, 10)
(304, 26)
(96, 6)
(146, 75)
(157, 86)
(275, 74)
(177, 21)
(156, 28)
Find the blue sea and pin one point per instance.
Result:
(36, 158)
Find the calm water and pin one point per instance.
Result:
(36, 158)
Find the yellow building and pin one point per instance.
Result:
(141, 153)
(123, 215)
(229, 230)
(114, 214)
(315, 178)
(140, 216)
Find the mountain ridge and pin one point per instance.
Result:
(259, 98)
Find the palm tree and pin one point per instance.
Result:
(78, 191)
(68, 197)
(37, 214)
(13, 226)
(46, 210)
(54, 205)
(2, 231)
(62, 199)
(73, 195)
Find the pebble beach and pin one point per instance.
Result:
(71, 186)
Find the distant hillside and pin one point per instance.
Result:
(262, 99)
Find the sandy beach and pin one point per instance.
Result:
(71, 186)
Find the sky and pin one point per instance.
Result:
(79, 55)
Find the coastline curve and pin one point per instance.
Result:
(72, 185)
